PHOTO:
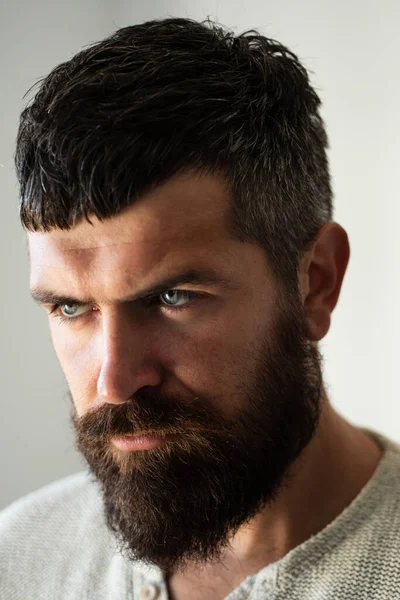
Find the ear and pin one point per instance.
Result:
(321, 276)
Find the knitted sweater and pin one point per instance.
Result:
(54, 545)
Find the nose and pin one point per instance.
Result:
(126, 362)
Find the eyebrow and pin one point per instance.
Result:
(199, 276)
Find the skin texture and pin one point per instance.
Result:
(176, 228)
(117, 347)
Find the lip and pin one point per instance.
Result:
(131, 443)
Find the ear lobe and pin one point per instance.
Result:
(321, 277)
(319, 322)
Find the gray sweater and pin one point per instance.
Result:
(54, 545)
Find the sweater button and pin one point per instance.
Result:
(149, 592)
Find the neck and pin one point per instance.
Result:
(330, 473)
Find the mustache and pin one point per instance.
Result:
(151, 412)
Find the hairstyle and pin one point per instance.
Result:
(155, 99)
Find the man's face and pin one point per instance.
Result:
(221, 368)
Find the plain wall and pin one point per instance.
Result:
(351, 48)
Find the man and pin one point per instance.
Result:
(176, 197)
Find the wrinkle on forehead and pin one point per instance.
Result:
(180, 208)
(160, 230)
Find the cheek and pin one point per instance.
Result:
(213, 359)
(214, 363)
(78, 359)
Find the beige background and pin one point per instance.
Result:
(352, 47)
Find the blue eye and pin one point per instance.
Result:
(170, 301)
(73, 310)
(70, 311)
(173, 301)
(175, 296)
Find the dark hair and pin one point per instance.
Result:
(126, 113)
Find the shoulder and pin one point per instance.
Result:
(384, 486)
(374, 515)
(50, 504)
(52, 531)
(382, 500)
(363, 543)
(357, 554)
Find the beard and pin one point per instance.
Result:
(182, 501)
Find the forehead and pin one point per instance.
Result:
(186, 217)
